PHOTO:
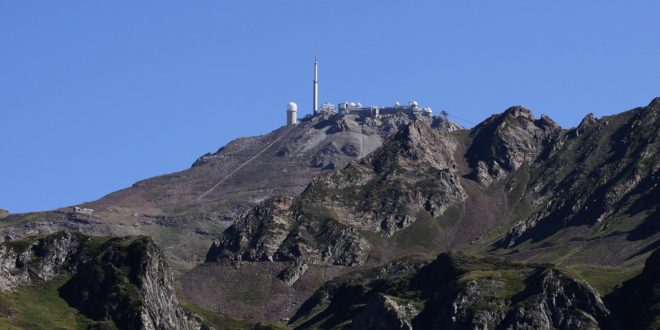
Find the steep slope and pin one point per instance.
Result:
(599, 184)
(184, 211)
(116, 282)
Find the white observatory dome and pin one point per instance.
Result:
(292, 106)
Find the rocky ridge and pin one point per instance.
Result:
(455, 292)
(504, 142)
(604, 169)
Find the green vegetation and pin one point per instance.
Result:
(603, 279)
(218, 321)
(19, 246)
(424, 232)
(3, 213)
(40, 307)
(15, 219)
(512, 281)
(222, 322)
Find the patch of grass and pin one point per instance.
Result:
(423, 232)
(513, 281)
(19, 246)
(217, 321)
(40, 307)
(15, 219)
(603, 279)
(3, 213)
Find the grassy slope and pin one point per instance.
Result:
(40, 307)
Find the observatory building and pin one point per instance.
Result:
(351, 108)
(291, 114)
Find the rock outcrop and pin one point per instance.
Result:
(413, 171)
(504, 142)
(40, 259)
(122, 280)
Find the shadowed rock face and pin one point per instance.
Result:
(637, 301)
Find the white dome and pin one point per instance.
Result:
(292, 106)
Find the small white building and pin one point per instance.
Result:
(291, 114)
(83, 210)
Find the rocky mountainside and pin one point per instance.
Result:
(113, 282)
(184, 211)
(514, 186)
(602, 178)
(315, 224)
(412, 174)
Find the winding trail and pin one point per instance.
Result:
(286, 132)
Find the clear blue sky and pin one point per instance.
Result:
(95, 95)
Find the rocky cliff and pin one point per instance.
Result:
(125, 281)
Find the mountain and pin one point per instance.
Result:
(356, 220)
(184, 211)
(513, 186)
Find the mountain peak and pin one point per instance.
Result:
(518, 111)
(503, 142)
(655, 103)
